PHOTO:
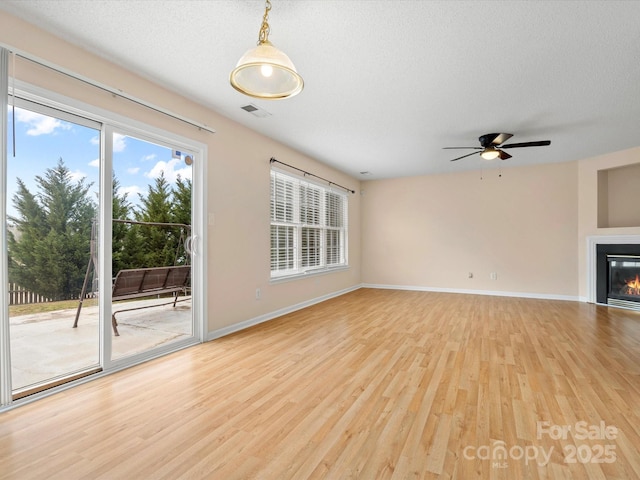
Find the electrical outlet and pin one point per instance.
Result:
(258, 294)
(493, 276)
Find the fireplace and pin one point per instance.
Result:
(618, 275)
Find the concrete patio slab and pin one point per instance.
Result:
(45, 346)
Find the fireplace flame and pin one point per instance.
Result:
(633, 286)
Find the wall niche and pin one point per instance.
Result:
(619, 197)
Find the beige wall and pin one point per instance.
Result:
(432, 231)
(239, 242)
(530, 226)
(237, 183)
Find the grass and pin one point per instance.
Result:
(30, 308)
(16, 310)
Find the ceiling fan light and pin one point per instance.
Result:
(266, 72)
(490, 153)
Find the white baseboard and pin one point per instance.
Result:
(496, 293)
(221, 332)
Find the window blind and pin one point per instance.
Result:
(308, 226)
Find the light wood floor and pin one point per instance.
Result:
(373, 384)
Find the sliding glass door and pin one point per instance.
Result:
(101, 230)
(53, 172)
(151, 240)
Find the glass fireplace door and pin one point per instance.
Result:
(624, 278)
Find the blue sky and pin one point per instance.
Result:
(41, 140)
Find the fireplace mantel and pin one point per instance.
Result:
(592, 242)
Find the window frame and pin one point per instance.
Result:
(319, 230)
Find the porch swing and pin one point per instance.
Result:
(144, 282)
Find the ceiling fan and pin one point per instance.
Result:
(491, 146)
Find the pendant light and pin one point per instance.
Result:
(266, 72)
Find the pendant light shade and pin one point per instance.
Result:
(264, 71)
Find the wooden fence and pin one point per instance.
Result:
(22, 296)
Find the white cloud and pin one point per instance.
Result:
(149, 157)
(133, 170)
(170, 170)
(132, 191)
(77, 175)
(40, 124)
(119, 142)
(94, 163)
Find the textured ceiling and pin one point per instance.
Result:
(389, 83)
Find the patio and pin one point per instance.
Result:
(45, 346)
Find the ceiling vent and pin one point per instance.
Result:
(253, 110)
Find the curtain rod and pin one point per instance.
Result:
(307, 173)
(108, 89)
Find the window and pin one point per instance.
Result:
(308, 226)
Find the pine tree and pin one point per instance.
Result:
(125, 244)
(29, 228)
(158, 243)
(181, 195)
(50, 251)
(181, 211)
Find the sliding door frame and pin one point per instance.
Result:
(111, 122)
(5, 352)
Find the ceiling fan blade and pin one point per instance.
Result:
(493, 139)
(541, 143)
(503, 155)
(464, 156)
(460, 148)
(501, 138)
